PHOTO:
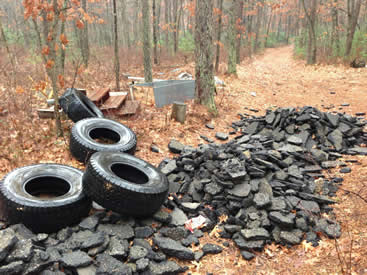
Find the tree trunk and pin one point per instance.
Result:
(219, 32)
(239, 31)
(311, 19)
(174, 25)
(50, 32)
(177, 28)
(268, 29)
(136, 24)
(11, 56)
(232, 37)
(63, 51)
(116, 47)
(85, 38)
(126, 25)
(159, 19)
(258, 27)
(204, 84)
(289, 24)
(146, 41)
(279, 27)
(249, 33)
(335, 32)
(354, 7)
(155, 27)
(166, 18)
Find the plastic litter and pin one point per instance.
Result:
(195, 223)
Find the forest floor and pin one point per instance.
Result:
(278, 80)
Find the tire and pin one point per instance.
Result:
(78, 106)
(125, 184)
(21, 197)
(82, 143)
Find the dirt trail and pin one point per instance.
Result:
(278, 79)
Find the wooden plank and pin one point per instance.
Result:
(48, 113)
(129, 108)
(45, 113)
(114, 102)
(100, 95)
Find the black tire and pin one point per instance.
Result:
(125, 184)
(20, 197)
(83, 133)
(78, 106)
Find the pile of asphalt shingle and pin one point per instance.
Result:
(269, 180)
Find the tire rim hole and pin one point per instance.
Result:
(47, 187)
(129, 173)
(104, 136)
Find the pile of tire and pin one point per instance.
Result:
(49, 197)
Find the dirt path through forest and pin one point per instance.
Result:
(278, 79)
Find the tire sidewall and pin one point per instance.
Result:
(157, 182)
(13, 185)
(82, 129)
(89, 106)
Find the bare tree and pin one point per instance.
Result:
(258, 26)
(146, 41)
(219, 33)
(311, 21)
(268, 28)
(85, 37)
(335, 26)
(232, 37)
(354, 7)
(167, 5)
(239, 13)
(204, 84)
(125, 23)
(155, 29)
(116, 47)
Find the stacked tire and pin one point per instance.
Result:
(49, 197)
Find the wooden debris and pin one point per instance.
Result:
(44, 113)
(100, 95)
(114, 102)
(129, 108)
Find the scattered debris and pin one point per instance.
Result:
(130, 107)
(114, 101)
(185, 76)
(358, 63)
(218, 81)
(47, 113)
(195, 223)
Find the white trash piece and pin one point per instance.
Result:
(195, 223)
(185, 76)
(218, 81)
